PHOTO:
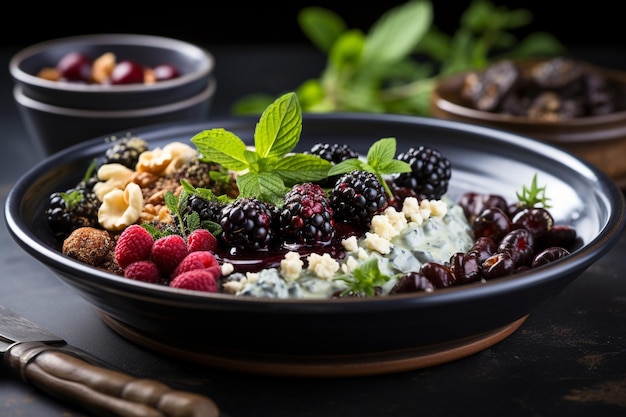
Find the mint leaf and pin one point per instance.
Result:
(364, 279)
(267, 170)
(279, 128)
(299, 168)
(222, 147)
(266, 186)
(380, 161)
(381, 151)
(397, 32)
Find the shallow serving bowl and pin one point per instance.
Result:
(340, 337)
(599, 139)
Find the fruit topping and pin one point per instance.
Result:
(268, 221)
(78, 67)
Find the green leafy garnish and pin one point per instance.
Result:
(268, 170)
(534, 196)
(189, 222)
(364, 279)
(394, 66)
(380, 161)
(72, 199)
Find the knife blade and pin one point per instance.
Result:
(49, 363)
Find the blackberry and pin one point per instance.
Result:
(249, 224)
(208, 210)
(430, 172)
(356, 197)
(69, 210)
(125, 151)
(306, 217)
(334, 153)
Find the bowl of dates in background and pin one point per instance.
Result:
(346, 336)
(568, 103)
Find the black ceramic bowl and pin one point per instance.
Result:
(352, 336)
(58, 114)
(195, 64)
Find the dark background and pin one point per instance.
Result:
(234, 22)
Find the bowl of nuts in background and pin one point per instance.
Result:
(72, 89)
(568, 103)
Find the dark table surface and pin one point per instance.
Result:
(567, 359)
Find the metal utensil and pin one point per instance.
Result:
(49, 363)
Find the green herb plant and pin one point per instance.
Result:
(533, 196)
(380, 161)
(393, 67)
(270, 167)
(363, 281)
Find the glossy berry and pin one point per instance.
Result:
(439, 275)
(520, 244)
(134, 244)
(536, 220)
(465, 267)
(356, 197)
(248, 224)
(167, 252)
(75, 66)
(69, 210)
(208, 210)
(492, 223)
(430, 172)
(125, 151)
(127, 72)
(306, 217)
(165, 72)
(498, 265)
(475, 203)
(412, 282)
(483, 248)
(549, 255)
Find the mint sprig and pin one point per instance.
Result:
(270, 168)
(364, 280)
(533, 196)
(380, 161)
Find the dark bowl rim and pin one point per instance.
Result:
(589, 253)
(192, 101)
(202, 55)
(438, 100)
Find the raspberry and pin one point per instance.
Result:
(197, 260)
(197, 279)
(134, 244)
(146, 271)
(201, 240)
(168, 252)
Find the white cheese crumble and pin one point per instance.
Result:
(401, 241)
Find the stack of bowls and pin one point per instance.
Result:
(58, 114)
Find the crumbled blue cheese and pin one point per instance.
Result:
(401, 241)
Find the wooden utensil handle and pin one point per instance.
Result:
(100, 390)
